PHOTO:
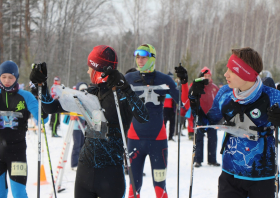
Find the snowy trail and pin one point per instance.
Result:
(205, 183)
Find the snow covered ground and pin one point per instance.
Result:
(205, 183)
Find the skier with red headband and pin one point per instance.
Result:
(100, 170)
(250, 111)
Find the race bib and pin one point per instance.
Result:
(159, 175)
(19, 169)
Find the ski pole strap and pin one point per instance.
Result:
(101, 97)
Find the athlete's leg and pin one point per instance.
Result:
(212, 145)
(199, 146)
(17, 167)
(263, 188)
(230, 187)
(166, 116)
(78, 138)
(137, 150)
(158, 152)
(55, 124)
(190, 127)
(52, 119)
(3, 179)
(84, 182)
(109, 182)
(172, 124)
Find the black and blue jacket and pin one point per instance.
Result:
(19, 101)
(244, 158)
(99, 153)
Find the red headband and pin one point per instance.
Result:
(241, 69)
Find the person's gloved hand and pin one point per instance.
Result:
(115, 78)
(34, 90)
(182, 74)
(273, 113)
(197, 88)
(39, 73)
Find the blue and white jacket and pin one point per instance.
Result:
(243, 158)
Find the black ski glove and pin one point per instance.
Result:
(34, 90)
(115, 79)
(38, 73)
(182, 74)
(274, 114)
(93, 90)
(197, 88)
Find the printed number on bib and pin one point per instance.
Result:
(18, 169)
(159, 175)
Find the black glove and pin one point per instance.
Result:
(38, 73)
(115, 79)
(34, 90)
(193, 104)
(197, 88)
(274, 115)
(182, 74)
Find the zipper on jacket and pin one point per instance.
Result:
(7, 100)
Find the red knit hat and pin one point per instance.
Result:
(101, 56)
(204, 69)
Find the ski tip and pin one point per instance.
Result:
(60, 190)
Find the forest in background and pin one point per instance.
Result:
(197, 33)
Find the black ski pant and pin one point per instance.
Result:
(105, 182)
(212, 145)
(55, 122)
(230, 187)
(169, 114)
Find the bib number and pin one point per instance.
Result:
(19, 169)
(159, 175)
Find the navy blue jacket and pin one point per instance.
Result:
(154, 128)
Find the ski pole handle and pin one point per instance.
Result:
(39, 68)
(199, 79)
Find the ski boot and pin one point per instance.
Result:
(190, 136)
(55, 135)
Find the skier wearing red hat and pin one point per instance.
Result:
(100, 171)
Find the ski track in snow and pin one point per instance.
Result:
(205, 182)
